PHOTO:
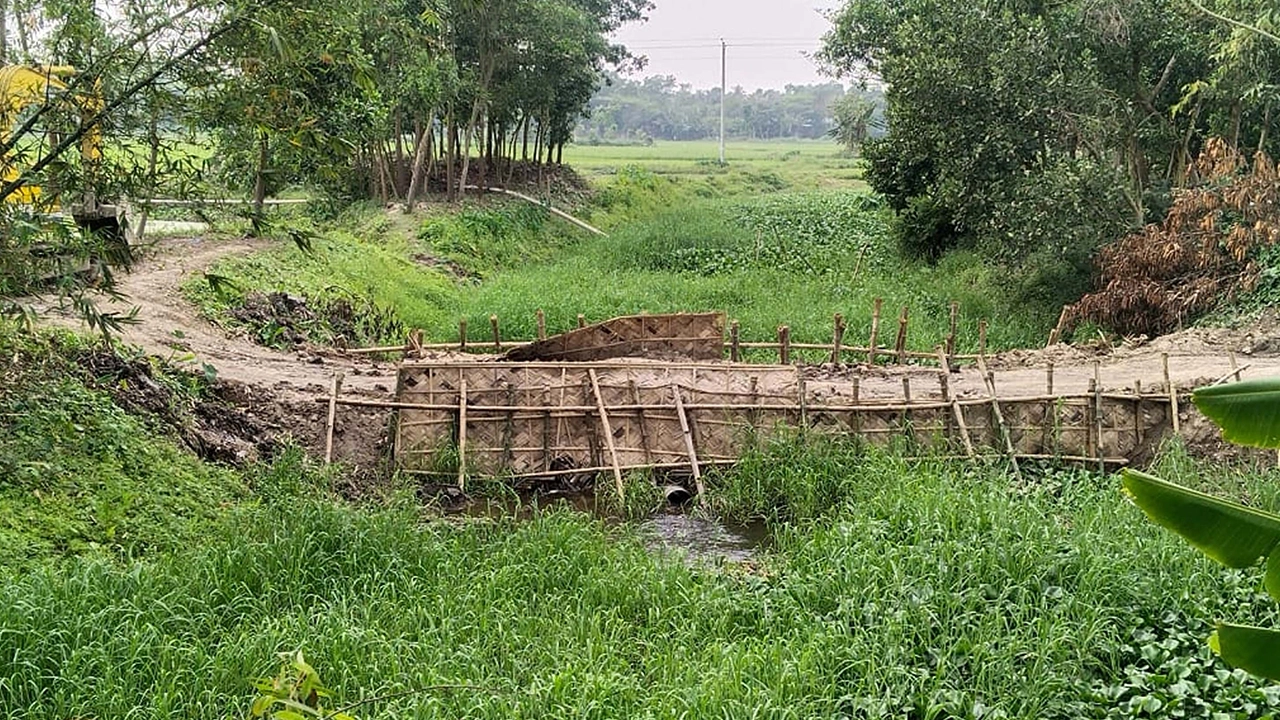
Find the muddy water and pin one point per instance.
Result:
(702, 540)
(697, 539)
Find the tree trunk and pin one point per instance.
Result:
(260, 184)
(419, 161)
(153, 142)
(524, 154)
(451, 149)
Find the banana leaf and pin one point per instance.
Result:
(1250, 648)
(1234, 535)
(1248, 412)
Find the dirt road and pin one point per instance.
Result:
(170, 327)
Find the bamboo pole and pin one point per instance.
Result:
(462, 434)
(982, 337)
(640, 420)
(735, 349)
(1097, 414)
(951, 332)
(582, 321)
(1235, 372)
(999, 417)
(333, 417)
(784, 345)
(837, 336)
(546, 429)
(608, 433)
(1048, 379)
(1137, 415)
(542, 324)
(462, 334)
(497, 339)
(802, 392)
(900, 346)
(688, 443)
(1234, 369)
(875, 330)
(1173, 395)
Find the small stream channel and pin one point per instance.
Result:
(673, 530)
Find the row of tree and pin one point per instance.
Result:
(366, 98)
(660, 108)
(1037, 131)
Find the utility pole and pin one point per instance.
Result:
(722, 90)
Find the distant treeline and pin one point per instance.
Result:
(660, 108)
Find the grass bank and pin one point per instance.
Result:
(895, 590)
(793, 258)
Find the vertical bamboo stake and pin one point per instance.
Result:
(1137, 416)
(784, 344)
(608, 433)
(1048, 379)
(688, 443)
(1090, 421)
(837, 336)
(802, 392)
(1173, 395)
(640, 420)
(1235, 369)
(900, 347)
(951, 332)
(414, 345)
(462, 434)
(497, 340)
(857, 414)
(462, 335)
(944, 384)
(582, 320)
(982, 337)
(875, 330)
(1098, 418)
(755, 401)
(735, 340)
(509, 427)
(542, 324)
(333, 417)
(905, 418)
(546, 427)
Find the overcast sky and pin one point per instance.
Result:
(767, 40)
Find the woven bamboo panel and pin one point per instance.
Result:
(525, 418)
(543, 418)
(692, 336)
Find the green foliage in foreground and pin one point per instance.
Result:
(1229, 532)
(79, 474)
(934, 590)
(792, 258)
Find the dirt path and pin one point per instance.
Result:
(170, 327)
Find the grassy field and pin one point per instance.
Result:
(809, 164)
(793, 257)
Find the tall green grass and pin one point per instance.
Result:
(791, 259)
(917, 591)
